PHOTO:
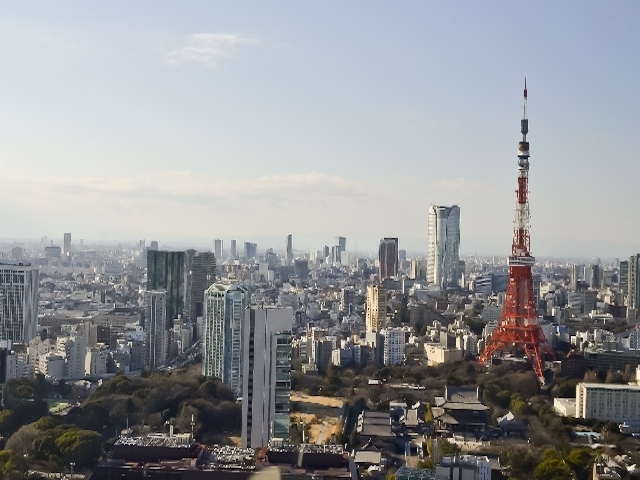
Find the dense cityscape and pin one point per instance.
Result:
(142, 361)
(399, 327)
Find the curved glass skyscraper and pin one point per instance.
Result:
(443, 250)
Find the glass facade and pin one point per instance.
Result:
(165, 271)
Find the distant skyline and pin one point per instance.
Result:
(188, 122)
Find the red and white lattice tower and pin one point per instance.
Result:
(519, 328)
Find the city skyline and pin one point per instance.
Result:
(330, 119)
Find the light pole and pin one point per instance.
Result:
(72, 464)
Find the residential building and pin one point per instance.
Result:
(156, 336)
(75, 352)
(225, 306)
(18, 301)
(437, 354)
(608, 402)
(393, 346)
(443, 250)
(95, 362)
(388, 258)
(376, 313)
(266, 380)
(165, 271)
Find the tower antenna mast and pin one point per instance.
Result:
(519, 327)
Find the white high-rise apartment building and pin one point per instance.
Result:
(607, 402)
(155, 326)
(266, 379)
(222, 347)
(18, 301)
(393, 346)
(376, 313)
(75, 353)
(443, 250)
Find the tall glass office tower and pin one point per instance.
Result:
(222, 343)
(19, 296)
(443, 250)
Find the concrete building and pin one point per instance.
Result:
(393, 346)
(218, 248)
(437, 354)
(66, 245)
(156, 337)
(225, 306)
(607, 402)
(95, 362)
(565, 407)
(266, 380)
(52, 366)
(388, 258)
(376, 313)
(443, 250)
(19, 297)
(464, 467)
(233, 252)
(288, 251)
(74, 350)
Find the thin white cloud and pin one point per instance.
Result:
(207, 49)
(463, 186)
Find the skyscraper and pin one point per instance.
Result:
(342, 243)
(376, 313)
(156, 336)
(250, 250)
(623, 278)
(165, 271)
(18, 301)
(222, 345)
(633, 295)
(443, 251)
(288, 254)
(201, 277)
(388, 257)
(266, 379)
(233, 253)
(217, 248)
(66, 245)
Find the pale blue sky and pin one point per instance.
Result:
(195, 120)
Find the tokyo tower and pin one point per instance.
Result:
(519, 328)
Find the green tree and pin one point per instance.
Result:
(447, 449)
(551, 467)
(428, 414)
(580, 461)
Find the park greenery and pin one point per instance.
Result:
(145, 403)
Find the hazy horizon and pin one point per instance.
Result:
(201, 120)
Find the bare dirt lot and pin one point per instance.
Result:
(317, 399)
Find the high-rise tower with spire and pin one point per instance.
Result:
(519, 328)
